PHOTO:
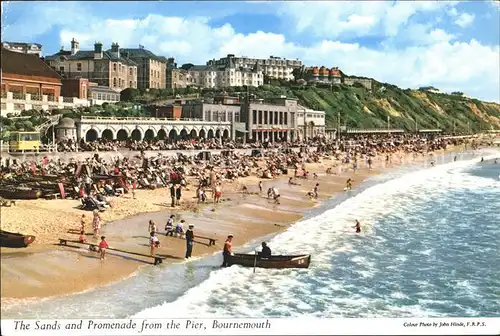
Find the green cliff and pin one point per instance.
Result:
(362, 108)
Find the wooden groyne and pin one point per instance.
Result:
(95, 247)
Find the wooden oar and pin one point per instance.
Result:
(255, 261)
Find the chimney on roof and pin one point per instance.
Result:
(75, 46)
(115, 49)
(98, 50)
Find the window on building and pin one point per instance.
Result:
(78, 66)
(61, 68)
(130, 71)
(286, 119)
(114, 82)
(119, 82)
(130, 84)
(207, 116)
(114, 66)
(236, 116)
(254, 116)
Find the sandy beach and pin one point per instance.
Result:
(46, 269)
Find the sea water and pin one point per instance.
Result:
(429, 247)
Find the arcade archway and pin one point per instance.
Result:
(91, 135)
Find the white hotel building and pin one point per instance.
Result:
(210, 76)
(310, 123)
(274, 67)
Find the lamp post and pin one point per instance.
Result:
(338, 125)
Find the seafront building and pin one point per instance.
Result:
(271, 120)
(273, 67)
(146, 128)
(106, 68)
(227, 75)
(29, 83)
(24, 48)
(310, 123)
(151, 69)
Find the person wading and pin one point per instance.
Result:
(227, 251)
(154, 243)
(357, 226)
(189, 241)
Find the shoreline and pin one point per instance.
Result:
(253, 227)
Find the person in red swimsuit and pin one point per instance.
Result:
(103, 245)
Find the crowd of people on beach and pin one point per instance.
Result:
(97, 181)
(104, 145)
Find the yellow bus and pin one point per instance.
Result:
(24, 141)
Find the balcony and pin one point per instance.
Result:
(14, 102)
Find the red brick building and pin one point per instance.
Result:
(75, 88)
(24, 73)
(171, 111)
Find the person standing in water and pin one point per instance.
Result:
(348, 184)
(260, 186)
(357, 226)
(169, 227)
(276, 195)
(189, 241)
(315, 190)
(154, 243)
(103, 245)
(227, 251)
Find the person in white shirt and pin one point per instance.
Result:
(169, 227)
(276, 195)
(154, 242)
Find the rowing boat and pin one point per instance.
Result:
(277, 261)
(20, 193)
(15, 240)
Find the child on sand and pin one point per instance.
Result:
(134, 186)
(103, 245)
(96, 223)
(82, 223)
(218, 193)
(152, 227)
(82, 238)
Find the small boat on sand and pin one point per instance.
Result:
(15, 240)
(277, 261)
(20, 193)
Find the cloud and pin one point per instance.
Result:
(336, 18)
(39, 18)
(437, 60)
(465, 20)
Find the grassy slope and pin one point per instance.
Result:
(365, 109)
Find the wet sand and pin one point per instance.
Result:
(45, 270)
